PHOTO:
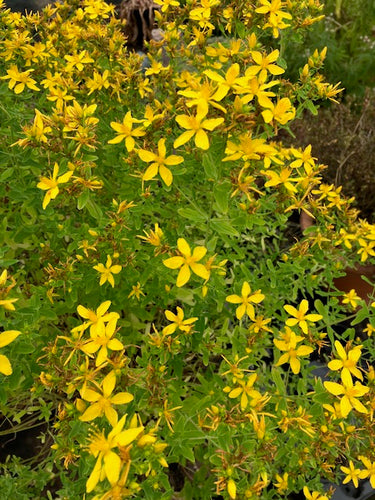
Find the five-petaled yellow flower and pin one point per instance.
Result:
(349, 393)
(292, 351)
(196, 126)
(281, 112)
(51, 184)
(352, 474)
(159, 163)
(96, 319)
(108, 464)
(178, 322)
(282, 482)
(107, 271)
(347, 362)
(351, 298)
(247, 299)
(245, 390)
(19, 79)
(100, 343)
(102, 401)
(187, 261)
(300, 317)
(126, 132)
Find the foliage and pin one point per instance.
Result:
(348, 32)
(168, 314)
(342, 138)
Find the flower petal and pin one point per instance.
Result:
(183, 276)
(112, 467)
(183, 247)
(8, 336)
(5, 366)
(174, 262)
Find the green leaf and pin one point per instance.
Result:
(210, 166)
(361, 315)
(7, 173)
(311, 107)
(223, 227)
(24, 347)
(94, 210)
(83, 198)
(319, 306)
(279, 382)
(221, 195)
(192, 215)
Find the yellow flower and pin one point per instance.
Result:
(247, 299)
(98, 81)
(202, 15)
(252, 86)
(6, 338)
(126, 132)
(36, 132)
(352, 474)
(153, 237)
(351, 298)
(282, 112)
(275, 15)
(165, 4)
(292, 351)
(156, 67)
(272, 8)
(282, 483)
(196, 126)
(204, 94)
(107, 271)
(160, 163)
(300, 316)
(369, 329)
(78, 60)
(136, 291)
(369, 472)
(283, 178)
(103, 341)
(314, 495)
(247, 149)
(187, 261)
(85, 246)
(18, 80)
(349, 393)
(347, 361)
(260, 324)
(96, 319)
(178, 322)
(108, 464)
(258, 424)
(167, 413)
(245, 390)
(264, 63)
(51, 184)
(60, 96)
(303, 158)
(103, 401)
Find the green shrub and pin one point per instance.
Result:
(157, 313)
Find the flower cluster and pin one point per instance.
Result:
(156, 184)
